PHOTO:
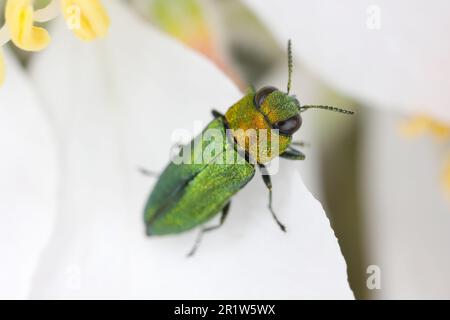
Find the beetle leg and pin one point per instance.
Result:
(293, 154)
(224, 215)
(216, 114)
(148, 173)
(268, 183)
(300, 143)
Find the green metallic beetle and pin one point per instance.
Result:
(189, 194)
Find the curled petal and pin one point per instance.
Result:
(87, 18)
(19, 16)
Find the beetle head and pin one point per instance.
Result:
(267, 109)
(281, 110)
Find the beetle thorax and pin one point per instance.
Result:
(253, 133)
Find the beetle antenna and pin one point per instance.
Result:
(290, 66)
(329, 108)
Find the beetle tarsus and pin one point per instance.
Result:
(148, 173)
(282, 226)
(196, 244)
(300, 144)
(224, 215)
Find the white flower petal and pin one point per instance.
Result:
(405, 64)
(117, 103)
(28, 184)
(407, 212)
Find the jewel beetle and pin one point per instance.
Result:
(190, 193)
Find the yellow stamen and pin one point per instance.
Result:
(19, 19)
(87, 18)
(424, 124)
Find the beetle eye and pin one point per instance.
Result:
(289, 126)
(262, 94)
